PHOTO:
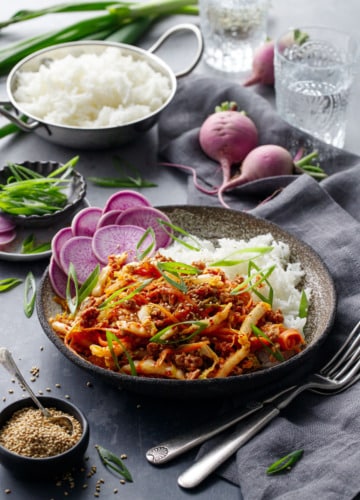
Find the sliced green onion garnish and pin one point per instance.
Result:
(29, 246)
(176, 269)
(141, 254)
(9, 283)
(304, 305)
(29, 294)
(259, 334)
(158, 337)
(113, 462)
(72, 302)
(285, 463)
(130, 295)
(228, 261)
(111, 337)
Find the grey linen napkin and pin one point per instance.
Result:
(325, 215)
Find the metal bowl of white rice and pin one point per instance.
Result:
(92, 94)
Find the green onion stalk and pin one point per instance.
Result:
(121, 22)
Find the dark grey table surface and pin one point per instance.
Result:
(121, 421)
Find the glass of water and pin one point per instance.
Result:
(232, 30)
(314, 73)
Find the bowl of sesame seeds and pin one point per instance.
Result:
(33, 446)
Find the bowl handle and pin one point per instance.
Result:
(5, 107)
(183, 27)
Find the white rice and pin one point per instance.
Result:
(284, 279)
(92, 90)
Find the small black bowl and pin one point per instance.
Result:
(75, 193)
(37, 468)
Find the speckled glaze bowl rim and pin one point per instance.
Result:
(321, 312)
(47, 401)
(78, 194)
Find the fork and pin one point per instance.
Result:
(341, 371)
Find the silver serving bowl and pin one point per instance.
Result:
(215, 223)
(93, 138)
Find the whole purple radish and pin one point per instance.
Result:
(263, 65)
(227, 136)
(264, 161)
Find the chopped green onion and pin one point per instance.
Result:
(27, 192)
(72, 302)
(167, 330)
(108, 303)
(285, 463)
(80, 292)
(229, 262)
(259, 334)
(29, 246)
(304, 305)
(110, 337)
(176, 269)
(140, 255)
(29, 294)
(113, 462)
(253, 286)
(9, 283)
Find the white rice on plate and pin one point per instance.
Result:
(92, 90)
(284, 280)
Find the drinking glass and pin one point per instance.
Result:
(232, 30)
(314, 74)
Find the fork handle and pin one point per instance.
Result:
(203, 467)
(168, 450)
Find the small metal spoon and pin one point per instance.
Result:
(8, 362)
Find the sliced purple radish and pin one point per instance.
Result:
(146, 217)
(108, 218)
(58, 278)
(7, 237)
(58, 241)
(115, 240)
(78, 250)
(126, 199)
(84, 222)
(6, 224)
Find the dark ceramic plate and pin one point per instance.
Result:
(75, 193)
(214, 223)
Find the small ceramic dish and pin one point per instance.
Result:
(55, 465)
(75, 193)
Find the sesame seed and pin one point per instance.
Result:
(29, 433)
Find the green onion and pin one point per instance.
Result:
(141, 254)
(113, 462)
(176, 269)
(117, 16)
(304, 305)
(132, 181)
(259, 334)
(243, 288)
(9, 283)
(29, 246)
(108, 303)
(27, 192)
(167, 330)
(29, 294)
(110, 337)
(230, 262)
(80, 292)
(285, 463)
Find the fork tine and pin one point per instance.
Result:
(343, 353)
